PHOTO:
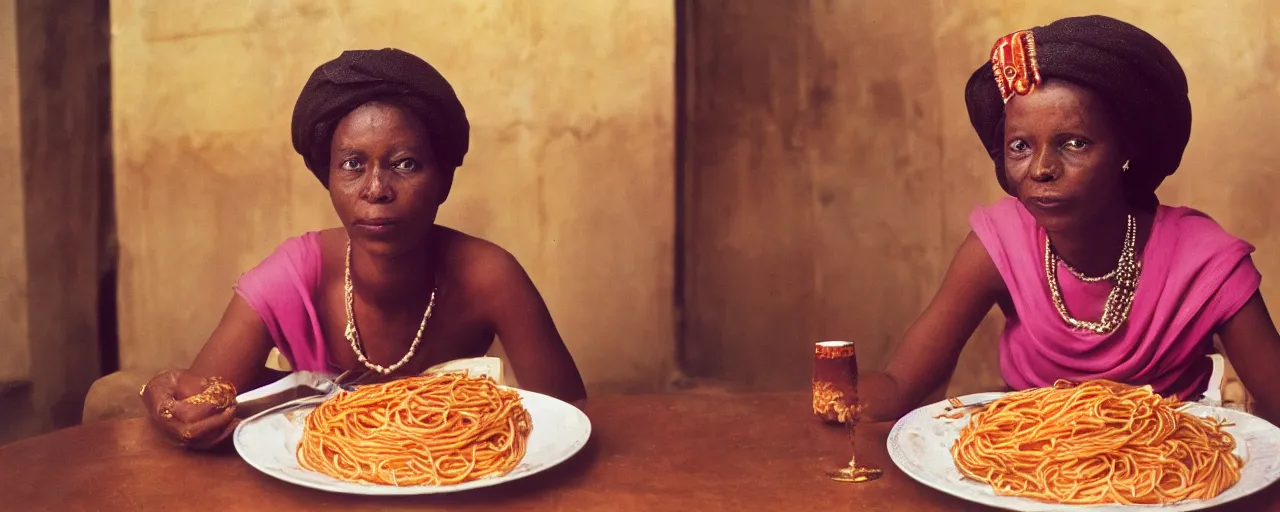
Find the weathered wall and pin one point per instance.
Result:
(53, 216)
(14, 362)
(570, 169)
(832, 167)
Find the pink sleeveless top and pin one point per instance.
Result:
(1194, 278)
(281, 289)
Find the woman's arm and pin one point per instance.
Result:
(931, 347)
(522, 322)
(237, 350)
(1253, 346)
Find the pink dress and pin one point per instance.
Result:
(281, 289)
(1194, 278)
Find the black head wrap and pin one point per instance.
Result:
(1129, 68)
(357, 77)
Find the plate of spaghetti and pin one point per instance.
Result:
(1097, 445)
(428, 434)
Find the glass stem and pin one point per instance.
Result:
(853, 444)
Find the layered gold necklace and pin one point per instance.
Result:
(353, 336)
(1124, 278)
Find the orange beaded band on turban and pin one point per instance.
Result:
(1013, 59)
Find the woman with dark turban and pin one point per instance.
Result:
(390, 292)
(1083, 119)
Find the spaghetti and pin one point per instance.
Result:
(439, 429)
(1096, 443)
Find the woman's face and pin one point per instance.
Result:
(1063, 155)
(383, 178)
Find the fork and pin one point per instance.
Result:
(345, 380)
(957, 404)
(298, 394)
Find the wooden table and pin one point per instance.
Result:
(653, 452)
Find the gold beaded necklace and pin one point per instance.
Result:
(1087, 278)
(353, 336)
(1119, 301)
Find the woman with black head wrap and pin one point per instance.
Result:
(1084, 118)
(390, 292)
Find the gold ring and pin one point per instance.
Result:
(166, 410)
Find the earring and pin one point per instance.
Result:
(1125, 167)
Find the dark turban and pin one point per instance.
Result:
(1128, 68)
(357, 77)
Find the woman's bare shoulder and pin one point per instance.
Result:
(472, 252)
(479, 263)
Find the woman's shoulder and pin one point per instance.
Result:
(1202, 255)
(1006, 213)
(304, 245)
(1003, 223)
(303, 249)
(296, 261)
(1004, 210)
(478, 262)
(1189, 228)
(280, 290)
(470, 251)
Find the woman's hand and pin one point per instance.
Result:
(200, 412)
(197, 412)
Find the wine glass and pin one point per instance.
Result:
(835, 399)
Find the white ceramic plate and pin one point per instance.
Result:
(268, 441)
(921, 446)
